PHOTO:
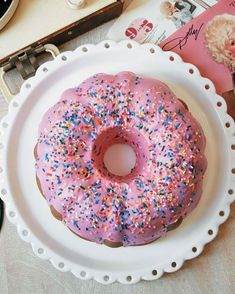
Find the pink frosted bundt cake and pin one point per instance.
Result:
(165, 183)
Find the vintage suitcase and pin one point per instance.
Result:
(37, 26)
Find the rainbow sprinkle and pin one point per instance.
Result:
(164, 186)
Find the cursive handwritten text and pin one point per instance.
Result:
(232, 4)
(180, 42)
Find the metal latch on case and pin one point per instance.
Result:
(26, 64)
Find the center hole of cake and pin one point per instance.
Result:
(120, 159)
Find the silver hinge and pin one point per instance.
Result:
(23, 60)
(26, 64)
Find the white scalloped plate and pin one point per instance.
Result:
(27, 209)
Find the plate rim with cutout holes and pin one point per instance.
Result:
(154, 271)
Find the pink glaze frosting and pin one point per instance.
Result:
(166, 182)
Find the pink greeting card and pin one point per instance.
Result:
(208, 42)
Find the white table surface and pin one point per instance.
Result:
(21, 272)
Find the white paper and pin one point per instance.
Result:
(154, 20)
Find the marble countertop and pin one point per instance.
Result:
(21, 272)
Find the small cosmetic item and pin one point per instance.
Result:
(76, 4)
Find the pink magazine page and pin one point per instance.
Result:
(208, 42)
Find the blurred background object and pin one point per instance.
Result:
(7, 9)
(1, 213)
